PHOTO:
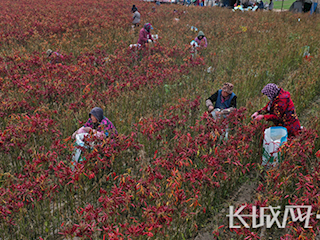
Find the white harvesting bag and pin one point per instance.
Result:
(274, 137)
(136, 45)
(155, 36)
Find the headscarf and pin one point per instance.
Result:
(98, 114)
(227, 87)
(271, 90)
(147, 27)
(200, 34)
(49, 52)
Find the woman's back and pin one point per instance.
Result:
(136, 17)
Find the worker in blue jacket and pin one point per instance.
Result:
(223, 101)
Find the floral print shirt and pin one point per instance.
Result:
(282, 113)
(105, 126)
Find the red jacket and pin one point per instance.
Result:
(282, 113)
(144, 36)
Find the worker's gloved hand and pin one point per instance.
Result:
(253, 116)
(226, 111)
(210, 108)
(259, 117)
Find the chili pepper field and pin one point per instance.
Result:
(170, 174)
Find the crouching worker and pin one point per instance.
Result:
(54, 57)
(225, 101)
(145, 35)
(280, 109)
(201, 40)
(99, 125)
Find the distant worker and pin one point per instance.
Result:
(225, 101)
(136, 16)
(261, 5)
(54, 57)
(271, 5)
(280, 109)
(201, 40)
(145, 35)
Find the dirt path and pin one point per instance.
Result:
(245, 194)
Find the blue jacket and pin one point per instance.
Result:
(225, 104)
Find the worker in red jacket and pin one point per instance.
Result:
(145, 35)
(280, 109)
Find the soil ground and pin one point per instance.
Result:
(245, 194)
